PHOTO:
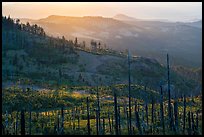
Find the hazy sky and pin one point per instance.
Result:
(173, 11)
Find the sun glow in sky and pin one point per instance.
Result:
(172, 11)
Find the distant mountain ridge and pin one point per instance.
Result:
(144, 38)
(124, 17)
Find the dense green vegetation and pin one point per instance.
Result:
(45, 107)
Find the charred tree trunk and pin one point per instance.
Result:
(88, 116)
(129, 88)
(62, 124)
(143, 118)
(162, 111)
(152, 115)
(109, 121)
(119, 125)
(7, 121)
(116, 113)
(176, 114)
(58, 123)
(78, 117)
(3, 129)
(197, 121)
(22, 122)
(55, 128)
(112, 125)
(16, 123)
(193, 125)
(74, 113)
(128, 125)
(189, 123)
(30, 120)
(98, 114)
(37, 128)
(42, 127)
(172, 118)
(184, 113)
(70, 118)
(138, 122)
(97, 127)
(104, 130)
(146, 110)
(169, 95)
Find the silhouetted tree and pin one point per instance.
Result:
(76, 42)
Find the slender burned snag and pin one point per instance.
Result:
(129, 96)
(88, 116)
(176, 114)
(98, 124)
(62, 123)
(74, 114)
(104, 129)
(143, 118)
(116, 113)
(197, 120)
(78, 117)
(112, 124)
(138, 122)
(172, 118)
(16, 129)
(128, 126)
(109, 121)
(193, 124)
(22, 122)
(58, 122)
(146, 110)
(3, 129)
(119, 124)
(7, 121)
(152, 115)
(169, 95)
(196, 124)
(184, 113)
(97, 127)
(189, 123)
(30, 120)
(162, 111)
(37, 117)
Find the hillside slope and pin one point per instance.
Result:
(43, 60)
